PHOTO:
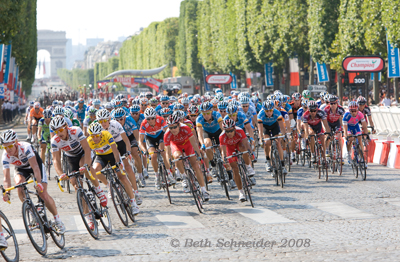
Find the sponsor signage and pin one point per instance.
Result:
(219, 79)
(322, 73)
(393, 61)
(269, 70)
(359, 80)
(363, 64)
(316, 88)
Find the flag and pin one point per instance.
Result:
(233, 83)
(269, 70)
(248, 79)
(294, 72)
(11, 74)
(7, 59)
(205, 74)
(16, 77)
(393, 61)
(322, 73)
(44, 67)
(40, 65)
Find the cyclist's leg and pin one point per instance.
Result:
(154, 159)
(209, 152)
(138, 161)
(279, 147)
(43, 147)
(19, 179)
(177, 154)
(195, 165)
(236, 175)
(95, 182)
(311, 139)
(96, 167)
(34, 126)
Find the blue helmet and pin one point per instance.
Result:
(245, 94)
(164, 98)
(166, 111)
(268, 105)
(134, 109)
(234, 102)
(244, 100)
(231, 109)
(96, 102)
(178, 106)
(254, 99)
(118, 113)
(206, 106)
(108, 106)
(47, 113)
(222, 105)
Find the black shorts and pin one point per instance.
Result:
(121, 147)
(73, 162)
(212, 135)
(103, 160)
(317, 128)
(334, 126)
(26, 173)
(134, 143)
(272, 130)
(155, 141)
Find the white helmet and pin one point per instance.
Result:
(95, 128)
(57, 122)
(58, 111)
(150, 112)
(37, 105)
(103, 114)
(8, 136)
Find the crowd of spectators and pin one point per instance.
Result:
(9, 110)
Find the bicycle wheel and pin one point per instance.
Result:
(164, 176)
(325, 169)
(11, 254)
(224, 179)
(318, 155)
(203, 171)
(361, 165)
(59, 239)
(105, 220)
(118, 202)
(287, 158)
(339, 158)
(303, 157)
(84, 204)
(34, 228)
(278, 167)
(245, 183)
(194, 189)
(275, 162)
(48, 165)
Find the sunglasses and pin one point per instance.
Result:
(270, 110)
(134, 113)
(151, 118)
(333, 103)
(96, 135)
(245, 106)
(173, 127)
(206, 113)
(59, 130)
(119, 119)
(9, 146)
(234, 114)
(313, 111)
(229, 131)
(353, 111)
(222, 111)
(193, 115)
(101, 121)
(165, 103)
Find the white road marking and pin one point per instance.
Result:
(178, 219)
(262, 215)
(393, 201)
(342, 210)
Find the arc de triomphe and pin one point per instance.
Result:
(55, 43)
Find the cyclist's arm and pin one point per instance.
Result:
(39, 132)
(345, 128)
(168, 151)
(245, 144)
(85, 132)
(200, 134)
(127, 142)
(141, 144)
(88, 151)
(288, 128)
(306, 130)
(115, 152)
(281, 125)
(260, 130)
(35, 167)
(57, 162)
(136, 133)
(7, 178)
(371, 122)
(298, 125)
(255, 120)
(195, 145)
(364, 127)
(223, 151)
(249, 130)
(327, 127)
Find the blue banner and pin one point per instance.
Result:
(16, 77)
(322, 73)
(1, 90)
(393, 61)
(269, 70)
(7, 59)
(1, 54)
(379, 76)
(205, 74)
(234, 82)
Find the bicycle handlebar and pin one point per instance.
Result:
(273, 138)
(5, 190)
(112, 167)
(235, 154)
(182, 158)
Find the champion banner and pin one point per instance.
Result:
(269, 70)
(393, 61)
(234, 81)
(322, 73)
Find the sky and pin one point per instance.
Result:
(106, 19)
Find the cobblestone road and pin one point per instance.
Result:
(308, 220)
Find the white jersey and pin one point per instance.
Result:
(72, 146)
(116, 129)
(25, 152)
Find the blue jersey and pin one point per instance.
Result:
(258, 107)
(241, 119)
(269, 121)
(158, 108)
(288, 108)
(126, 111)
(129, 125)
(284, 114)
(319, 102)
(300, 113)
(81, 112)
(209, 127)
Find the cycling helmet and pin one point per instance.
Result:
(228, 123)
(206, 98)
(136, 102)
(150, 112)
(353, 105)
(193, 110)
(214, 102)
(144, 101)
(222, 105)
(165, 111)
(48, 114)
(185, 101)
(173, 99)
(361, 100)
(306, 93)
(218, 91)
(268, 105)
(55, 103)
(326, 97)
(120, 96)
(58, 111)
(246, 94)
(285, 99)
(180, 114)
(255, 94)
(164, 98)
(96, 102)
(312, 105)
(173, 119)
(31, 103)
(296, 96)
(103, 114)
(108, 106)
(208, 94)
(277, 92)
(8, 136)
(36, 105)
(244, 100)
(149, 95)
(118, 113)
(205, 106)
(231, 109)
(95, 128)
(153, 100)
(57, 122)
(67, 113)
(219, 97)
(134, 109)
(81, 101)
(254, 99)
(333, 99)
(124, 102)
(92, 111)
(178, 106)
(60, 103)
(194, 101)
(322, 94)
(304, 103)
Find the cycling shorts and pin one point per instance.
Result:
(317, 128)
(103, 160)
(73, 162)
(212, 135)
(133, 141)
(45, 138)
(188, 148)
(121, 147)
(37, 119)
(154, 141)
(335, 126)
(353, 130)
(26, 173)
(272, 130)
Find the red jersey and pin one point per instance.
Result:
(226, 141)
(314, 121)
(153, 131)
(333, 117)
(181, 138)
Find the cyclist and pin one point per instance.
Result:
(35, 115)
(362, 106)
(102, 142)
(123, 145)
(351, 126)
(295, 103)
(109, 107)
(321, 100)
(313, 119)
(270, 124)
(44, 132)
(70, 115)
(26, 162)
(334, 115)
(240, 120)
(81, 110)
(222, 108)
(73, 142)
(307, 95)
(185, 103)
(164, 102)
(249, 111)
(27, 119)
(231, 139)
(152, 132)
(300, 125)
(144, 103)
(153, 102)
(177, 138)
(91, 116)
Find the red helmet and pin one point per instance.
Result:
(173, 119)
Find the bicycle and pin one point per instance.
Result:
(48, 159)
(36, 221)
(276, 161)
(335, 153)
(193, 183)
(65, 183)
(358, 161)
(162, 171)
(88, 205)
(11, 254)
(246, 183)
(287, 157)
(256, 142)
(222, 175)
(119, 196)
(321, 163)
(140, 180)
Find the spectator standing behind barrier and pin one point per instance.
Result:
(386, 101)
(3, 110)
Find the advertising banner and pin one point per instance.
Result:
(393, 61)
(205, 74)
(269, 70)
(1, 90)
(322, 73)
(294, 72)
(219, 79)
(7, 59)
(363, 64)
(234, 80)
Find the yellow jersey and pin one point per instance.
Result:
(104, 146)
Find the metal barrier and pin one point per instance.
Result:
(386, 120)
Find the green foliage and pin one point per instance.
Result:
(391, 19)
(76, 78)
(375, 35)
